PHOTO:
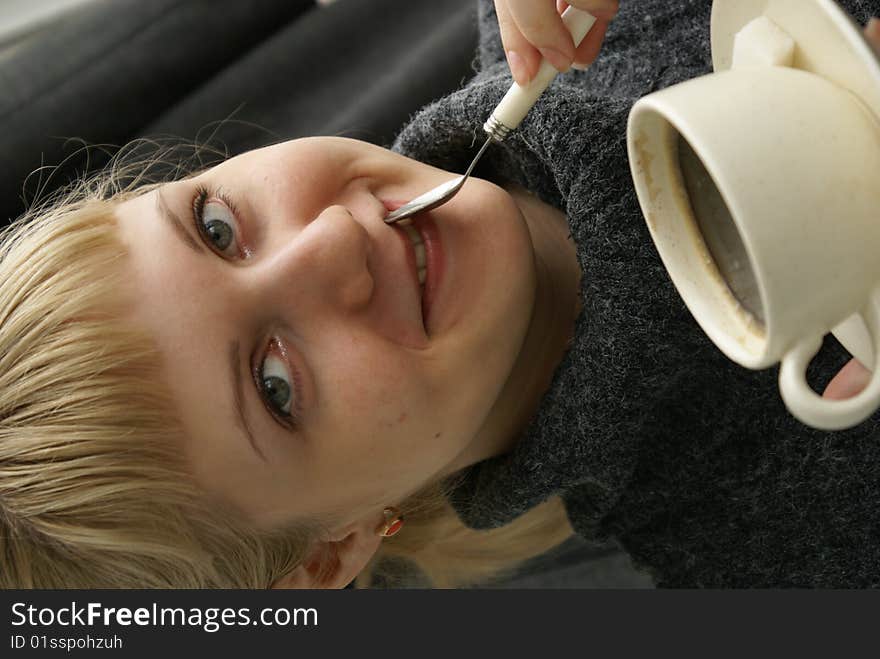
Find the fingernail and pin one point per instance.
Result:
(853, 387)
(604, 14)
(580, 67)
(608, 10)
(873, 25)
(517, 67)
(559, 61)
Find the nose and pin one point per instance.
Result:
(324, 263)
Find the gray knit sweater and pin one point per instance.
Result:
(648, 432)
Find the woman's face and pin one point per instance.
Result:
(312, 373)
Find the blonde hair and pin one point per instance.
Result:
(94, 492)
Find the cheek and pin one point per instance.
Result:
(310, 172)
(369, 388)
(390, 412)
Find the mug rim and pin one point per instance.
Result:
(673, 226)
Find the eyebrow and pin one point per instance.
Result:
(238, 398)
(176, 225)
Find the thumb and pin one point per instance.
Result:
(849, 381)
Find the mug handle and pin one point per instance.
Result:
(824, 413)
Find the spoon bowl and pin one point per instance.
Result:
(435, 196)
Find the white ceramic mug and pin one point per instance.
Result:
(761, 189)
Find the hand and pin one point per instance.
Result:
(872, 34)
(532, 29)
(849, 381)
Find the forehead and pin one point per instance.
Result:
(171, 300)
(161, 251)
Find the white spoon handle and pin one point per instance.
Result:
(518, 100)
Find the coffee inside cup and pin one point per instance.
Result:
(718, 231)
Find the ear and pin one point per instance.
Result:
(334, 563)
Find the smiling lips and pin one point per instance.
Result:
(425, 258)
(419, 249)
(425, 255)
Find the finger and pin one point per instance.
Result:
(604, 9)
(849, 381)
(587, 52)
(540, 25)
(522, 57)
(872, 34)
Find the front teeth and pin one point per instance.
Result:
(419, 248)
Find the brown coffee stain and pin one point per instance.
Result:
(644, 160)
(749, 327)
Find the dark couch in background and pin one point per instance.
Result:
(272, 69)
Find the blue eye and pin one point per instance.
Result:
(215, 222)
(277, 385)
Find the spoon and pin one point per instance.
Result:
(506, 116)
(435, 196)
